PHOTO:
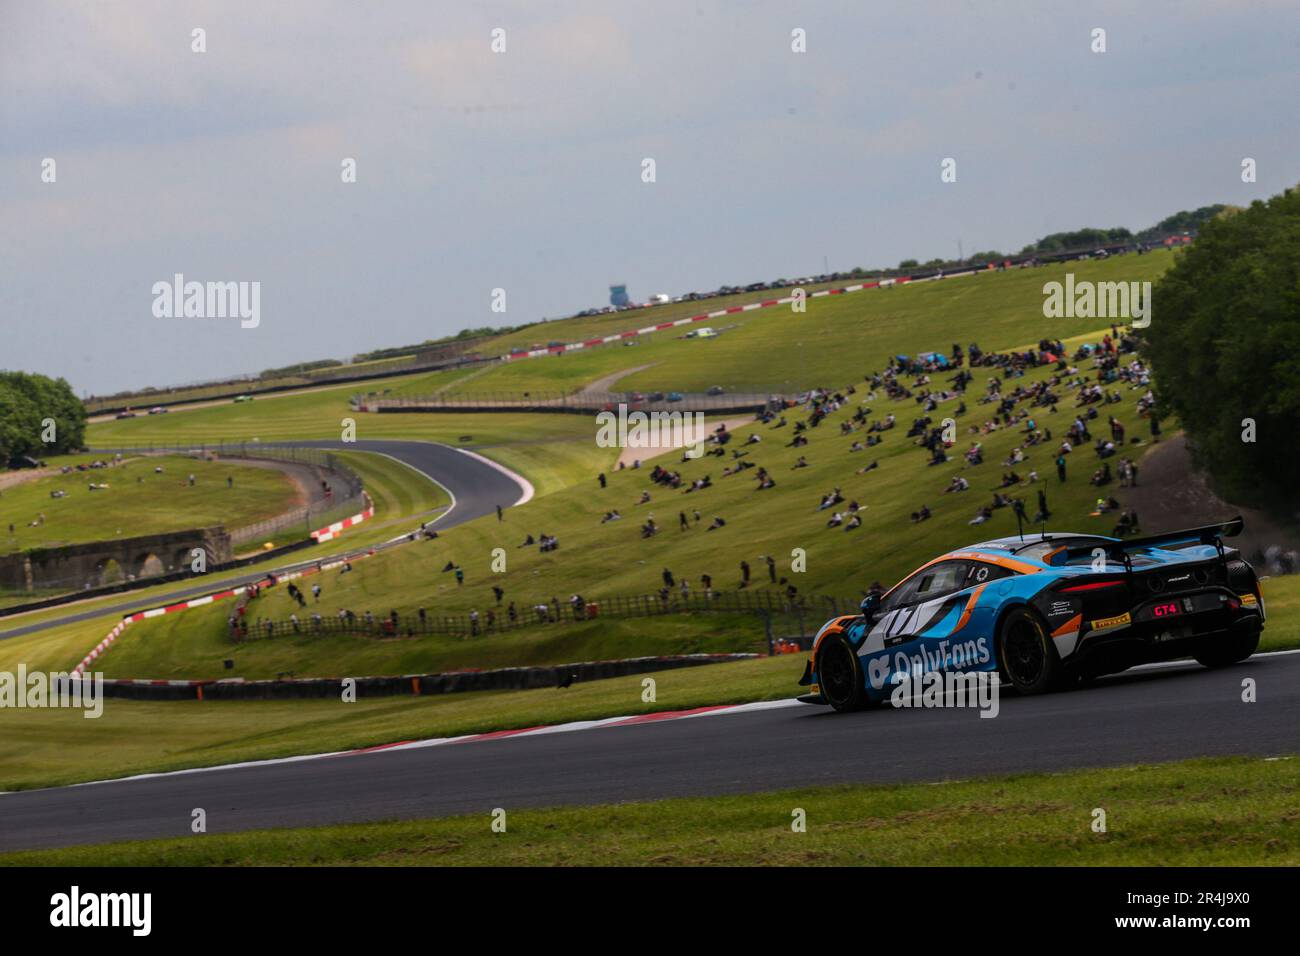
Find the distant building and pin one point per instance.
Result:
(618, 296)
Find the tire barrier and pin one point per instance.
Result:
(420, 685)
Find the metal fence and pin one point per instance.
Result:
(580, 402)
(803, 615)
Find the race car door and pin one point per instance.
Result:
(922, 604)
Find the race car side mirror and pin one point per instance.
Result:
(870, 604)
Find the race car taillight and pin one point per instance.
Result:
(1092, 586)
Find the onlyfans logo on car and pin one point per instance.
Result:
(945, 656)
(939, 678)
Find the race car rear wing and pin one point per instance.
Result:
(1211, 534)
(1173, 540)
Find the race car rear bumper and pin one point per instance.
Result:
(1146, 640)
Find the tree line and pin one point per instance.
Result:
(38, 416)
(1224, 346)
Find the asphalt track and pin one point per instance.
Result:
(476, 487)
(1153, 714)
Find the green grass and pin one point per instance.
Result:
(835, 341)
(604, 560)
(552, 451)
(139, 501)
(558, 454)
(181, 650)
(581, 328)
(200, 393)
(1221, 812)
(402, 498)
(51, 747)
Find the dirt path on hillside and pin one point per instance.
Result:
(602, 386)
(1171, 494)
(628, 456)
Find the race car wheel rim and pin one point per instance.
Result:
(836, 673)
(1025, 653)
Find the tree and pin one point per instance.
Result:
(26, 401)
(1224, 345)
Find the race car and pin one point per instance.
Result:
(1045, 610)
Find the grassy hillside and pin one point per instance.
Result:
(552, 451)
(837, 339)
(601, 559)
(139, 500)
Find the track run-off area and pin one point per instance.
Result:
(1150, 714)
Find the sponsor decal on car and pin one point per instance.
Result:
(1106, 623)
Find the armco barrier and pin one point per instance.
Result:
(505, 678)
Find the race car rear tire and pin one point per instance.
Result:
(839, 674)
(1230, 649)
(1027, 657)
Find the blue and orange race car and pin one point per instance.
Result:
(1043, 610)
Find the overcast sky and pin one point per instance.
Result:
(522, 170)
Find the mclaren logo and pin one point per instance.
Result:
(1106, 623)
